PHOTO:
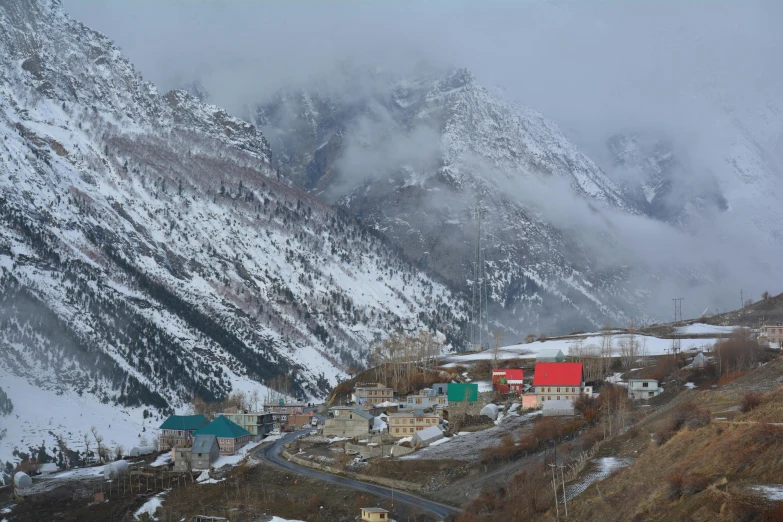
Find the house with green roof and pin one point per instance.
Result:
(177, 430)
(230, 435)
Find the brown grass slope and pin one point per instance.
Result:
(699, 474)
(769, 310)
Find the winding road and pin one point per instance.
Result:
(271, 453)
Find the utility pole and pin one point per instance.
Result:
(742, 300)
(565, 500)
(480, 314)
(554, 486)
(678, 308)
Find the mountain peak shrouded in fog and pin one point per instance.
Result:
(150, 253)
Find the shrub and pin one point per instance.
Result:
(773, 513)
(767, 433)
(687, 416)
(590, 438)
(546, 429)
(674, 482)
(751, 401)
(693, 483)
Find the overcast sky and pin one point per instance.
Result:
(701, 73)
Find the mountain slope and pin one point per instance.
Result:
(411, 157)
(148, 252)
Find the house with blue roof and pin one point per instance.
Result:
(230, 435)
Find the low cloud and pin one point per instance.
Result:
(703, 76)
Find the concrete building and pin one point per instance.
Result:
(427, 436)
(375, 393)
(550, 355)
(281, 410)
(201, 455)
(257, 423)
(427, 398)
(405, 424)
(771, 333)
(348, 423)
(374, 514)
(643, 389)
(559, 381)
(177, 430)
(529, 400)
(299, 419)
(230, 436)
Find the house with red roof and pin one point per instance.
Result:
(559, 381)
(509, 380)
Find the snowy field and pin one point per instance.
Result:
(772, 492)
(569, 345)
(704, 329)
(41, 414)
(601, 468)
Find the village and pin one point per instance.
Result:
(433, 430)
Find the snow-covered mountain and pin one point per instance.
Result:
(149, 253)
(411, 157)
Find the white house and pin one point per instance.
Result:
(643, 389)
(427, 436)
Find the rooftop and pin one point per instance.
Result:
(203, 443)
(223, 428)
(184, 422)
(557, 373)
(375, 510)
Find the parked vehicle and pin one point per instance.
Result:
(313, 432)
(275, 432)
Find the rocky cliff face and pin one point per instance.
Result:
(413, 157)
(149, 253)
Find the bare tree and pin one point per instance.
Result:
(86, 445)
(98, 441)
(606, 349)
(629, 345)
(254, 398)
(63, 447)
(119, 451)
(497, 335)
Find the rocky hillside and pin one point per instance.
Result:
(149, 253)
(411, 158)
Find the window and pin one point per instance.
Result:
(549, 398)
(549, 389)
(396, 430)
(418, 401)
(442, 401)
(383, 515)
(650, 394)
(645, 384)
(199, 454)
(558, 390)
(558, 397)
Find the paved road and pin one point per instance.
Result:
(271, 453)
